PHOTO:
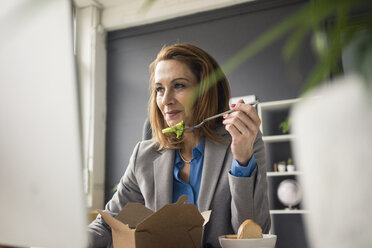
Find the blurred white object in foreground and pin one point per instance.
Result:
(41, 193)
(333, 127)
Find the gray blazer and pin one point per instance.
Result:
(149, 180)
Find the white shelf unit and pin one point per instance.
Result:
(271, 114)
(265, 107)
(278, 138)
(285, 173)
(289, 211)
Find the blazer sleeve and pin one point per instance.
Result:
(249, 195)
(127, 191)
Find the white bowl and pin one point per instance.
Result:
(268, 241)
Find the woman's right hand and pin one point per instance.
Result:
(243, 125)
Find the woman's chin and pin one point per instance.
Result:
(173, 122)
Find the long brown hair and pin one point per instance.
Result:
(212, 96)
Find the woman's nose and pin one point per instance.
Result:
(168, 97)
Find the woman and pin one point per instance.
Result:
(220, 167)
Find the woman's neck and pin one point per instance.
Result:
(190, 142)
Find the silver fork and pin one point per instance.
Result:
(216, 116)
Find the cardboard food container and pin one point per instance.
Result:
(175, 225)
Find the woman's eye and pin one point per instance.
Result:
(179, 86)
(159, 89)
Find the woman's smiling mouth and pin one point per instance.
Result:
(172, 113)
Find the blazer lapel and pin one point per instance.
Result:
(214, 155)
(163, 178)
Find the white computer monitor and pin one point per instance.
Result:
(41, 189)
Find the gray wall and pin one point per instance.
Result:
(222, 33)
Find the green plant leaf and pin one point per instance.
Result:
(311, 18)
(285, 125)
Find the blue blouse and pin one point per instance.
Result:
(192, 188)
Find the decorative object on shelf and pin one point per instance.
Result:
(285, 125)
(289, 193)
(290, 168)
(281, 166)
(290, 165)
(276, 167)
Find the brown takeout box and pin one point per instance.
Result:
(174, 225)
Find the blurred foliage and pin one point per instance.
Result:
(332, 24)
(114, 189)
(289, 161)
(285, 125)
(147, 5)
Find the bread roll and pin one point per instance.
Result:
(249, 230)
(230, 236)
